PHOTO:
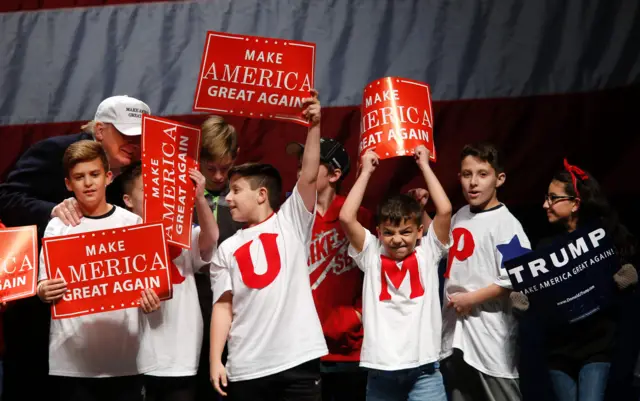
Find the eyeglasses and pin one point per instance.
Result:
(553, 199)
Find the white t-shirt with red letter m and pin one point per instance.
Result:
(275, 324)
(401, 304)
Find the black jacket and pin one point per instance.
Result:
(36, 184)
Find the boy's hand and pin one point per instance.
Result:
(312, 108)
(149, 302)
(219, 377)
(370, 161)
(462, 302)
(421, 195)
(421, 154)
(52, 290)
(68, 211)
(198, 180)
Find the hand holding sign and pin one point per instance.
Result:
(421, 154)
(199, 181)
(312, 108)
(149, 302)
(50, 291)
(370, 161)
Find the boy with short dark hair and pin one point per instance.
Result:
(260, 283)
(336, 282)
(401, 311)
(479, 330)
(98, 356)
(176, 329)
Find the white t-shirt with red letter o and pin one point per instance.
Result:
(275, 324)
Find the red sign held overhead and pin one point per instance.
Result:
(396, 118)
(18, 262)
(253, 76)
(107, 270)
(169, 150)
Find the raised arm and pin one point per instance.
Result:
(349, 213)
(442, 220)
(209, 231)
(311, 156)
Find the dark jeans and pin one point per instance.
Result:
(169, 388)
(300, 383)
(125, 388)
(344, 386)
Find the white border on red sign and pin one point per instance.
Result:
(55, 314)
(245, 38)
(147, 117)
(34, 259)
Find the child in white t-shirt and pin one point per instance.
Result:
(260, 283)
(401, 306)
(176, 329)
(97, 356)
(479, 331)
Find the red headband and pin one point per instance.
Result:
(575, 171)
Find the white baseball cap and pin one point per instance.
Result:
(124, 112)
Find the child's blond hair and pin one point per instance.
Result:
(219, 139)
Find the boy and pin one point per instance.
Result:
(218, 153)
(336, 282)
(401, 314)
(260, 283)
(99, 356)
(176, 330)
(479, 330)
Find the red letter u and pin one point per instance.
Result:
(247, 270)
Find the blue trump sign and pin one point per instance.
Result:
(569, 279)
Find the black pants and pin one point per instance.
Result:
(300, 383)
(170, 388)
(204, 388)
(344, 386)
(125, 388)
(26, 337)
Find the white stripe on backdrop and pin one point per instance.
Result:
(56, 65)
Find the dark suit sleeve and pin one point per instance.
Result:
(32, 189)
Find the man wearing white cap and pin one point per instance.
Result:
(33, 193)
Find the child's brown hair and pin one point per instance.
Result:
(83, 151)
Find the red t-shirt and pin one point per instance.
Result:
(336, 284)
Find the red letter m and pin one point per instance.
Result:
(395, 274)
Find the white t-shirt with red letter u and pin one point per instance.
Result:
(275, 324)
(401, 305)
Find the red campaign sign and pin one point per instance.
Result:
(252, 76)
(107, 270)
(18, 262)
(169, 150)
(396, 118)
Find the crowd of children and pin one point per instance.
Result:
(311, 298)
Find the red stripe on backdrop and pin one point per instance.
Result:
(597, 131)
(32, 5)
